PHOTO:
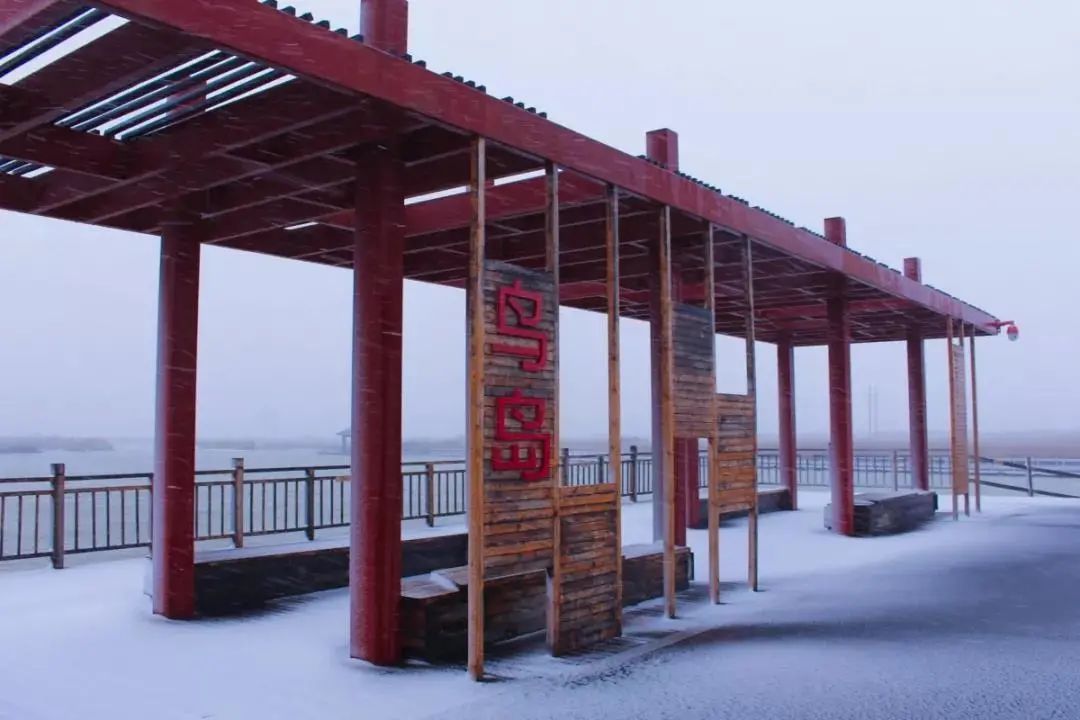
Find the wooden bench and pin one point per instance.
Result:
(236, 579)
(434, 607)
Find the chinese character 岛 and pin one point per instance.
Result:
(527, 448)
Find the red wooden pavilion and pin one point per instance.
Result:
(245, 125)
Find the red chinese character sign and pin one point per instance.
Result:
(520, 312)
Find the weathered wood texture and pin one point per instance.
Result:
(958, 413)
(587, 591)
(888, 513)
(734, 471)
(433, 607)
(477, 454)
(518, 507)
(694, 381)
(234, 580)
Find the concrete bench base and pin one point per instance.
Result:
(770, 500)
(886, 513)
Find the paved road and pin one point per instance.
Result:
(990, 632)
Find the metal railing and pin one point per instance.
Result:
(57, 515)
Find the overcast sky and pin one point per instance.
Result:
(949, 131)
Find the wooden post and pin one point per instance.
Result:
(238, 502)
(475, 408)
(1030, 478)
(614, 385)
(59, 476)
(667, 410)
(309, 502)
(429, 493)
(751, 390)
(710, 504)
(633, 480)
(952, 419)
(558, 479)
(975, 426)
(787, 456)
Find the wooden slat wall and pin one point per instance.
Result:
(958, 393)
(588, 593)
(735, 473)
(694, 379)
(518, 513)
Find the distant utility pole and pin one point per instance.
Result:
(872, 424)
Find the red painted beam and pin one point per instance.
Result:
(265, 34)
(173, 541)
(73, 151)
(204, 165)
(788, 456)
(375, 551)
(22, 20)
(818, 310)
(99, 69)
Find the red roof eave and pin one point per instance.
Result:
(264, 34)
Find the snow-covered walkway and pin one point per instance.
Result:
(977, 619)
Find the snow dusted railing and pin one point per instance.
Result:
(57, 515)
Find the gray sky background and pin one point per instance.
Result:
(944, 130)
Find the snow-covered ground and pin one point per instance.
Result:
(976, 619)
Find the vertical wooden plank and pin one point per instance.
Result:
(952, 415)
(614, 391)
(751, 391)
(667, 408)
(962, 415)
(551, 264)
(975, 425)
(475, 410)
(711, 503)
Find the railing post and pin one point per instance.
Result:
(565, 471)
(896, 470)
(429, 493)
(632, 475)
(1030, 479)
(599, 469)
(238, 501)
(58, 534)
(309, 498)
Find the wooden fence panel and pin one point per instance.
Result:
(587, 594)
(694, 381)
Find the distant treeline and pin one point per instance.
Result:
(31, 445)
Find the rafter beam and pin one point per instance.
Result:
(262, 33)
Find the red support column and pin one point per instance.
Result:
(385, 24)
(788, 456)
(378, 283)
(920, 444)
(173, 541)
(842, 458)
